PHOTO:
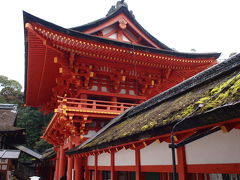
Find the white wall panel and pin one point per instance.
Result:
(156, 154)
(216, 148)
(91, 161)
(125, 158)
(104, 159)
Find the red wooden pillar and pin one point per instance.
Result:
(200, 176)
(207, 177)
(78, 168)
(70, 167)
(163, 176)
(83, 96)
(86, 174)
(114, 99)
(113, 173)
(138, 164)
(56, 177)
(181, 167)
(96, 177)
(62, 163)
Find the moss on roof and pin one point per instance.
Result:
(209, 97)
(225, 90)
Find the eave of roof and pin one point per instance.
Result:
(28, 18)
(8, 106)
(212, 117)
(218, 114)
(10, 129)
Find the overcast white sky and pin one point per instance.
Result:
(204, 25)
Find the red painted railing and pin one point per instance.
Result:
(95, 105)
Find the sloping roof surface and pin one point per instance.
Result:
(9, 154)
(48, 154)
(8, 113)
(28, 18)
(28, 151)
(209, 97)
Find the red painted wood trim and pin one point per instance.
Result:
(70, 164)
(62, 163)
(198, 168)
(113, 173)
(120, 35)
(138, 164)
(214, 168)
(145, 168)
(163, 176)
(91, 167)
(96, 167)
(86, 175)
(156, 168)
(125, 168)
(78, 168)
(104, 168)
(69, 168)
(181, 167)
(56, 175)
(114, 20)
(200, 176)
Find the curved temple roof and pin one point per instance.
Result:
(28, 18)
(38, 32)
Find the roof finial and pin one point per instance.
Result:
(120, 3)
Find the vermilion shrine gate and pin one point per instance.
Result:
(90, 74)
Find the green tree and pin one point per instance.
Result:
(34, 122)
(10, 91)
(29, 118)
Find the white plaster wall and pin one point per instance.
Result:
(113, 36)
(156, 154)
(215, 148)
(215, 176)
(91, 161)
(104, 159)
(125, 38)
(125, 158)
(90, 134)
(107, 30)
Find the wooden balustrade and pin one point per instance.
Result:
(96, 105)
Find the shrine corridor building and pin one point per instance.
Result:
(102, 81)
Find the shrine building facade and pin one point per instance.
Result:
(99, 76)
